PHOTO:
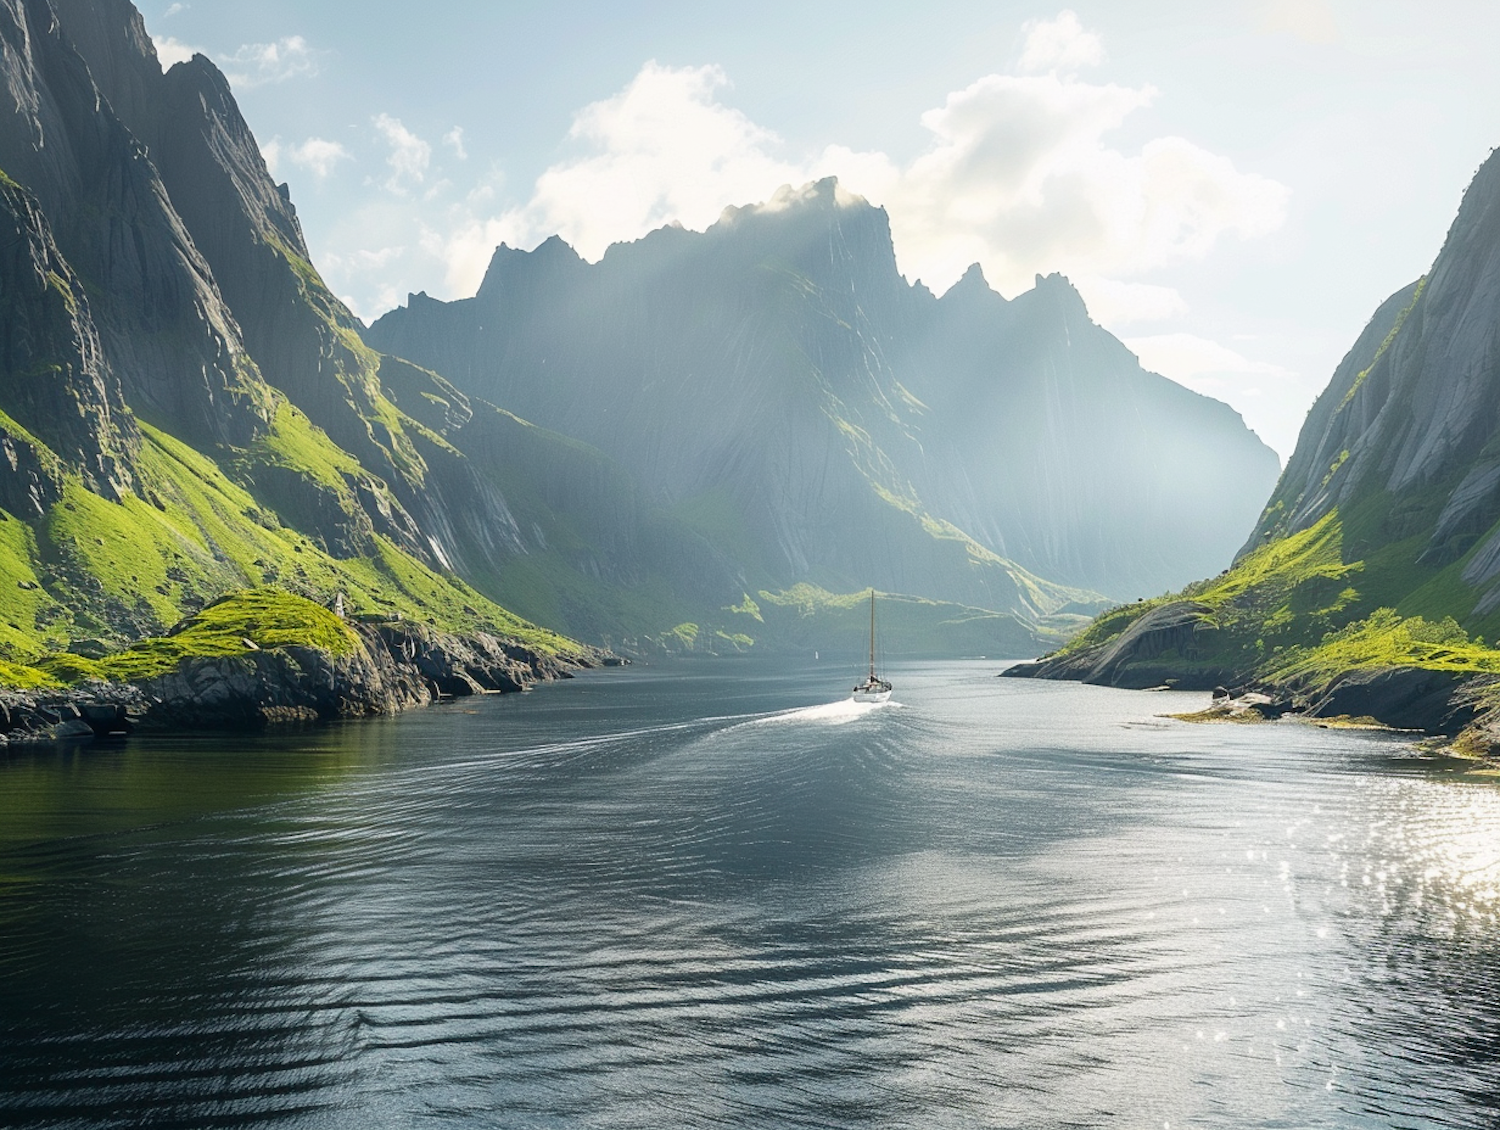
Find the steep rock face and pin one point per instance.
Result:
(152, 463)
(170, 337)
(1372, 581)
(415, 489)
(1057, 450)
(306, 341)
(57, 377)
(854, 428)
(1408, 424)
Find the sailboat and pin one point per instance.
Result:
(874, 688)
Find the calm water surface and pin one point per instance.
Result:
(710, 895)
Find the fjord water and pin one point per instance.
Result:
(714, 895)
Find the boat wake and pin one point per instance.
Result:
(831, 713)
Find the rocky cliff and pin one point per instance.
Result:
(1372, 578)
(185, 410)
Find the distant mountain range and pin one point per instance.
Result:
(777, 387)
(703, 442)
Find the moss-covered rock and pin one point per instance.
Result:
(266, 656)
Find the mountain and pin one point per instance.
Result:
(778, 386)
(185, 411)
(1376, 561)
(705, 442)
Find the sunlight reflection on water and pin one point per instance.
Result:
(669, 897)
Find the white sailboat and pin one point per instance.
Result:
(874, 688)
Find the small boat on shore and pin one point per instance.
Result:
(874, 688)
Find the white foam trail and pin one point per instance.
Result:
(832, 713)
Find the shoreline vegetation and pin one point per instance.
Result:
(1385, 671)
(265, 657)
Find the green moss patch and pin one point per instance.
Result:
(1384, 639)
(236, 624)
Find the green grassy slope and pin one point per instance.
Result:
(98, 575)
(1302, 610)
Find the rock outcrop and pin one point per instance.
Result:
(395, 668)
(1163, 647)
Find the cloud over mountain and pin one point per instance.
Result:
(1019, 174)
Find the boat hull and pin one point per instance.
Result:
(882, 695)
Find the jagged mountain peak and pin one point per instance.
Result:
(556, 247)
(821, 203)
(1059, 294)
(970, 284)
(823, 195)
(546, 265)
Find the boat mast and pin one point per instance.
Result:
(872, 635)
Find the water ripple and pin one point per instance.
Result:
(634, 901)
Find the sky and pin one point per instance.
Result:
(1234, 187)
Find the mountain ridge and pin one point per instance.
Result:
(799, 302)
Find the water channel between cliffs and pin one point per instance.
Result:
(712, 894)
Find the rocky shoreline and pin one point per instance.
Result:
(397, 666)
(1460, 706)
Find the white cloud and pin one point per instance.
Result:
(1021, 179)
(1184, 357)
(409, 157)
(1060, 44)
(454, 140)
(256, 64)
(662, 149)
(1019, 176)
(317, 155)
(174, 9)
(172, 51)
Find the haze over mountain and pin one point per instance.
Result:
(709, 440)
(779, 371)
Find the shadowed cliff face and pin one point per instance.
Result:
(1372, 581)
(780, 363)
(304, 341)
(57, 378)
(1057, 449)
(170, 337)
